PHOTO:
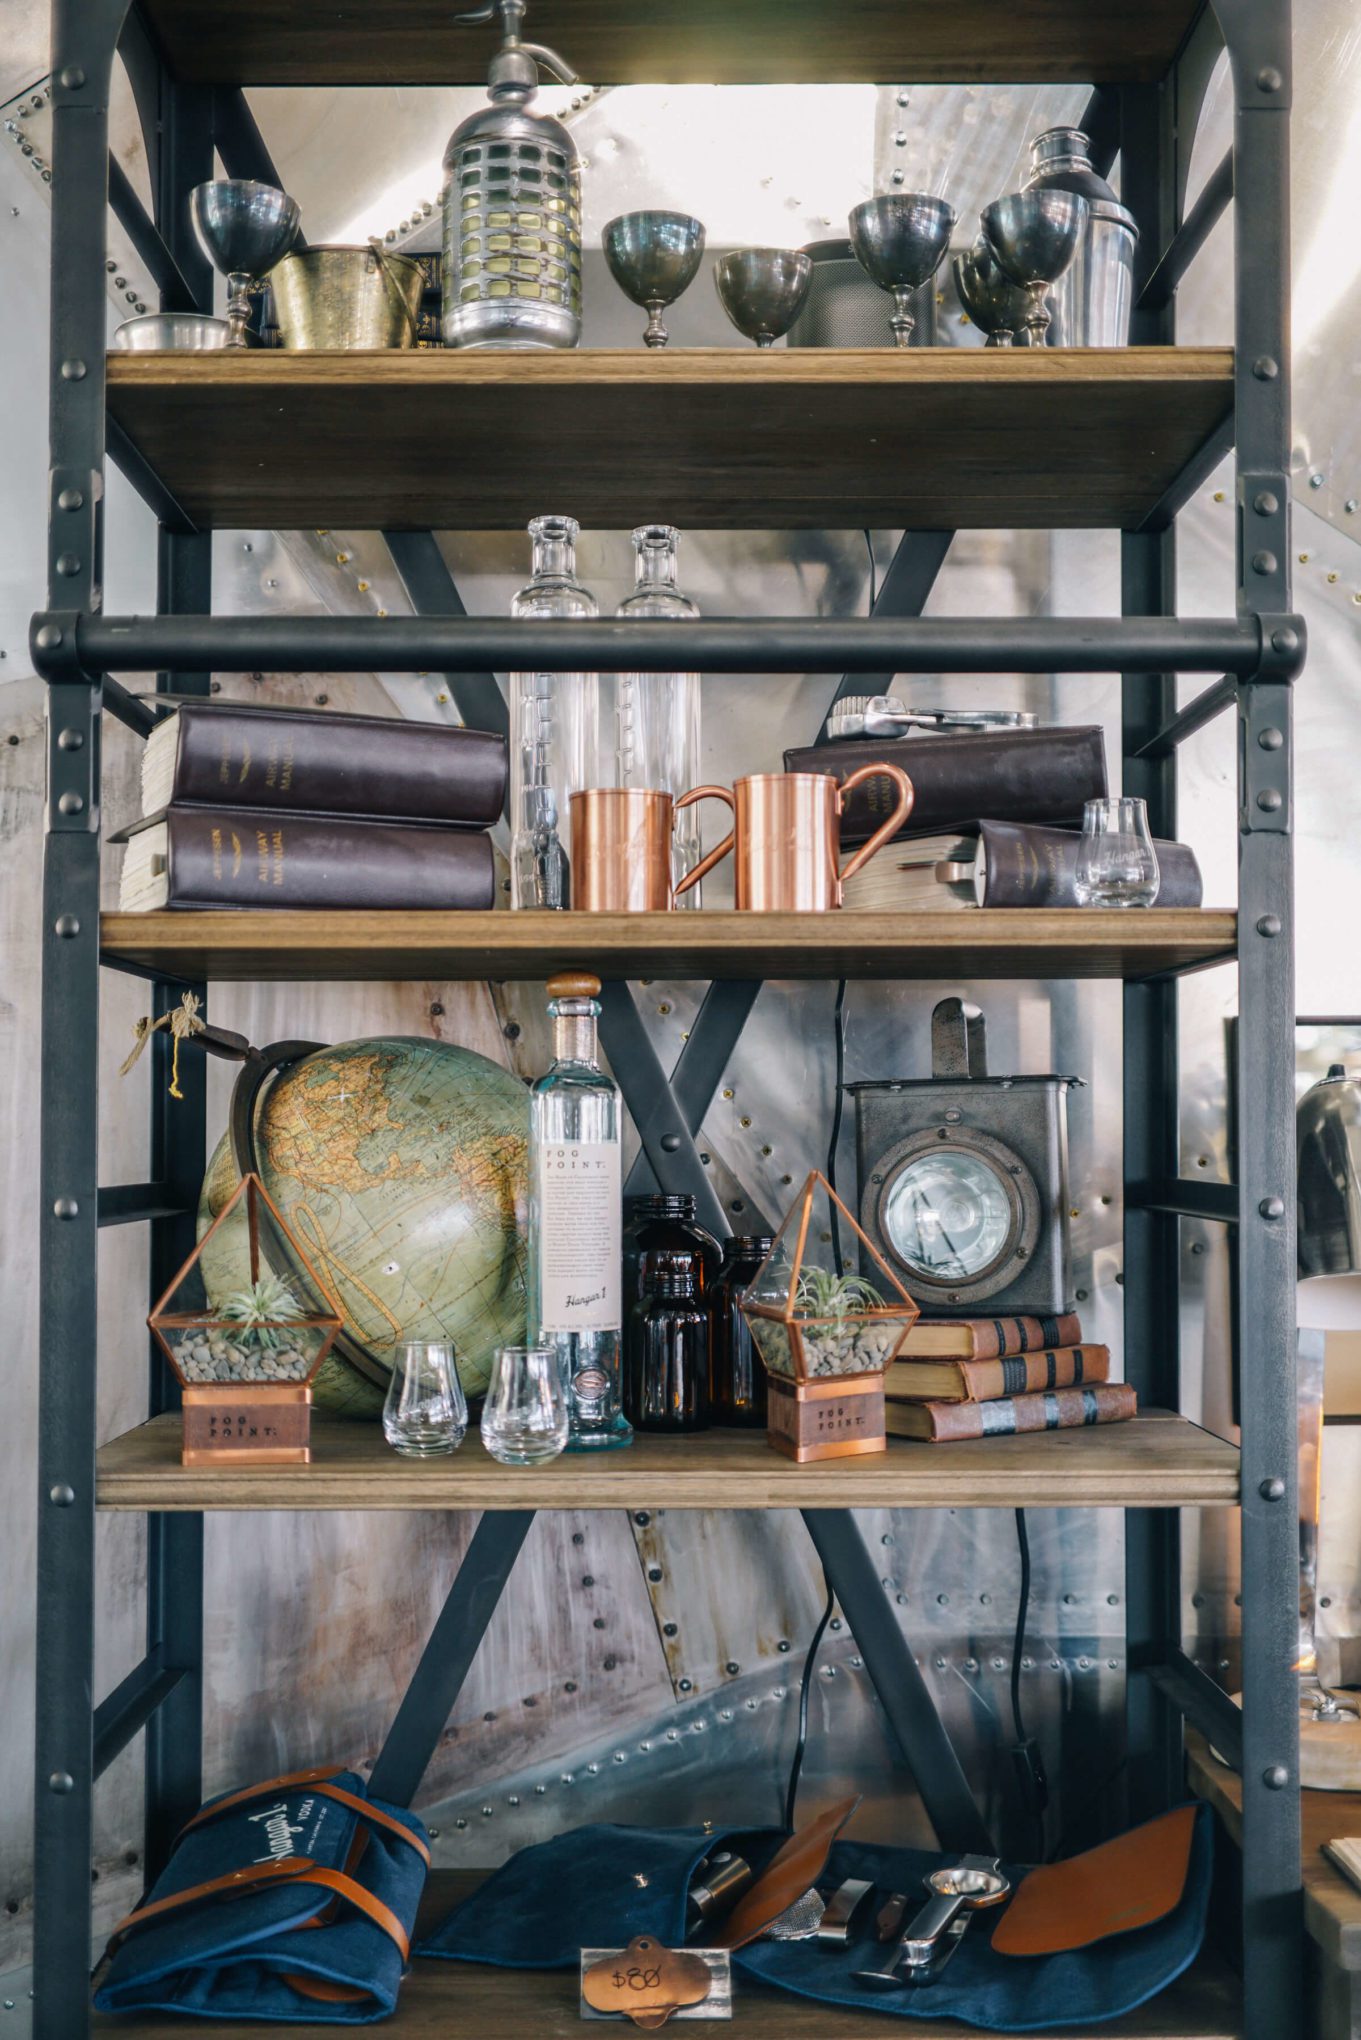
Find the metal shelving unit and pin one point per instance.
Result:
(1152, 65)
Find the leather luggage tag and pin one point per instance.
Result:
(1114, 1889)
(647, 1983)
(793, 1868)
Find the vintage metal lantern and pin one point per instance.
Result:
(246, 1356)
(512, 208)
(825, 1336)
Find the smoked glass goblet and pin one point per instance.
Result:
(654, 257)
(899, 241)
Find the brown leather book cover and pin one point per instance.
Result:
(987, 1380)
(301, 761)
(236, 857)
(1025, 865)
(989, 1338)
(1014, 775)
(1114, 1889)
(1061, 1409)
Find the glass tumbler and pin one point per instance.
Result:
(524, 1419)
(425, 1413)
(1117, 865)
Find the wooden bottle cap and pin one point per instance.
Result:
(574, 984)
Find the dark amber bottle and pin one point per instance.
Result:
(737, 1380)
(666, 1348)
(666, 1221)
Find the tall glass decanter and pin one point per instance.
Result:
(657, 726)
(554, 727)
(576, 1217)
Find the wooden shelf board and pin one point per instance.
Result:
(610, 42)
(497, 2004)
(1332, 1903)
(1158, 1460)
(275, 945)
(796, 438)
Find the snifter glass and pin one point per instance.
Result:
(524, 1419)
(425, 1413)
(1117, 865)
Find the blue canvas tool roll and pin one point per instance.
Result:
(293, 1900)
(582, 1890)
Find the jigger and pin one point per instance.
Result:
(653, 257)
(245, 229)
(899, 240)
(1034, 235)
(996, 305)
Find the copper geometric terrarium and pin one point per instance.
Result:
(826, 1337)
(246, 1339)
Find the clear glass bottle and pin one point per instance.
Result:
(554, 727)
(575, 1214)
(657, 715)
(666, 1375)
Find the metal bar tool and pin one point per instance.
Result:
(957, 1893)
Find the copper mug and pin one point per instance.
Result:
(622, 851)
(786, 837)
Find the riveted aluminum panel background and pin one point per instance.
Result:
(603, 1690)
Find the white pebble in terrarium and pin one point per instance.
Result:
(253, 1338)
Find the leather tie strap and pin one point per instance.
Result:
(319, 1780)
(289, 1870)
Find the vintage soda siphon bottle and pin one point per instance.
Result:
(576, 1218)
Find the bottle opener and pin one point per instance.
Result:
(966, 1887)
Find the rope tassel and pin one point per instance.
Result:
(183, 1022)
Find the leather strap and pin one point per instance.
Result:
(288, 1870)
(319, 1780)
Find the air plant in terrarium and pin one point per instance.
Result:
(825, 1332)
(242, 1353)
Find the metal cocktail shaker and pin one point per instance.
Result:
(512, 209)
(1092, 301)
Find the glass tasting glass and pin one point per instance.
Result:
(657, 721)
(425, 1413)
(1117, 865)
(524, 1419)
(554, 727)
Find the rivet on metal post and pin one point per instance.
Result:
(70, 740)
(66, 925)
(68, 564)
(73, 371)
(1270, 924)
(1264, 563)
(1269, 800)
(1275, 1777)
(61, 1496)
(49, 638)
(65, 1207)
(1265, 503)
(71, 499)
(1285, 641)
(61, 1781)
(1269, 79)
(1271, 739)
(71, 77)
(670, 1143)
(1265, 369)
(1272, 1207)
(1272, 1490)
(71, 804)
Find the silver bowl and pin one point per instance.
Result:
(654, 257)
(245, 229)
(1034, 235)
(170, 333)
(763, 289)
(899, 241)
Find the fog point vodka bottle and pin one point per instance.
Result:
(554, 727)
(657, 714)
(576, 1218)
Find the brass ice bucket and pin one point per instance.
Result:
(338, 298)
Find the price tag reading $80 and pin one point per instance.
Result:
(647, 1983)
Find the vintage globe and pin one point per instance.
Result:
(401, 1167)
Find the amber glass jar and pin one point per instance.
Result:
(666, 1348)
(664, 1223)
(737, 1380)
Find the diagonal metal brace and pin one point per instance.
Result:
(699, 1068)
(910, 578)
(431, 591)
(662, 1128)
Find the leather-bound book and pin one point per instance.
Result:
(242, 857)
(989, 1380)
(1062, 1409)
(1042, 775)
(989, 1338)
(303, 761)
(1020, 864)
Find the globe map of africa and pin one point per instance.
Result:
(401, 1167)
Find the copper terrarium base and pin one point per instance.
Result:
(833, 1419)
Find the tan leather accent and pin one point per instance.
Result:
(791, 1871)
(1113, 1889)
(327, 1993)
(234, 1884)
(319, 1780)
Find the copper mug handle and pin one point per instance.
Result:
(907, 795)
(706, 864)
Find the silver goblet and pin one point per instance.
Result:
(763, 289)
(1034, 235)
(653, 257)
(996, 305)
(899, 241)
(245, 229)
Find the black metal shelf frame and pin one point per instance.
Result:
(1254, 655)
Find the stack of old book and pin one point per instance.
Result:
(273, 807)
(992, 1377)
